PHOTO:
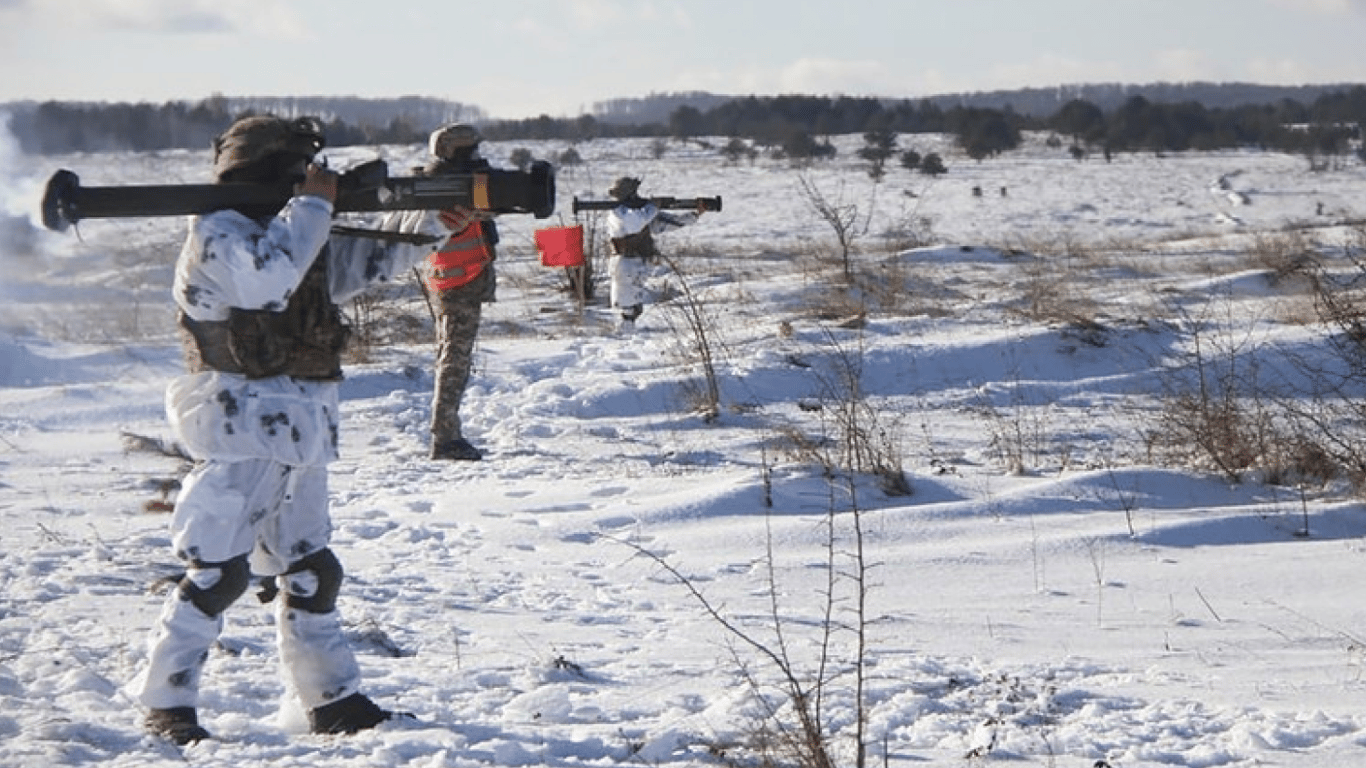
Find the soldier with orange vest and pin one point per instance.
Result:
(460, 278)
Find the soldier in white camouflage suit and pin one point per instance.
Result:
(631, 227)
(258, 293)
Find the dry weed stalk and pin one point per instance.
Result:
(793, 731)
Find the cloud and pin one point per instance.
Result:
(593, 14)
(600, 15)
(1291, 71)
(273, 19)
(1041, 71)
(806, 76)
(672, 15)
(1277, 71)
(834, 76)
(1184, 65)
(1323, 7)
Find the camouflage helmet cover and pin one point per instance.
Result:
(255, 138)
(624, 188)
(447, 140)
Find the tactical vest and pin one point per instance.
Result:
(304, 341)
(461, 259)
(640, 245)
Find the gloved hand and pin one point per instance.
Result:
(319, 182)
(457, 219)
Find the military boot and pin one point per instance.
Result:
(349, 715)
(458, 449)
(178, 725)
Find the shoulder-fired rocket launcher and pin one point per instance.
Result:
(367, 187)
(663, 203)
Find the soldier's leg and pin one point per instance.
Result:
(191, 619)
(314, 654)
(211, 534)
(457, 329)
(318, 663)
(614, 280)
(628, 286)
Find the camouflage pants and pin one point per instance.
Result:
(457, 325)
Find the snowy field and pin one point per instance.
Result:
(1050, 593)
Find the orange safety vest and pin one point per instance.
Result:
(460, 259)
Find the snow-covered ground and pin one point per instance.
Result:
(1049, 593)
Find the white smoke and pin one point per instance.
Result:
(20, 196)
(25, 246)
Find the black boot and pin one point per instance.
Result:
(178, 725)
(353, 713)
(458, 449)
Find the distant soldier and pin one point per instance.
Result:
(460, 276)
(631, 227)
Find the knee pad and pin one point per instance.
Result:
(233, 577)
(313, 583)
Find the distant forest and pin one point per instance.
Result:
(1317, 120)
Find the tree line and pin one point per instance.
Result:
(55, 127)
(793, 125)
(1329, 125)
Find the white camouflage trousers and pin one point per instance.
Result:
(627, 286)
(276, 514)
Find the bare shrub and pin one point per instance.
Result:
(1204, 421)
(1017, 431)
(854, 434)
(393, 314)
(793, 728)
(1340, 297)
(1328, 411)
(894, 286)
(1327, 442)
(840, 215)
(1056, 277)
(1220, 414)
(1227, 409)
(1216, 427)
(696, 329)
(908, 228)
(1283, 254)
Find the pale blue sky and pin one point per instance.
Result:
(522, 58)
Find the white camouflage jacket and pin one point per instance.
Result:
(625, 220)
(230, 260)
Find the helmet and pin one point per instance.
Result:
(447, 140)
(624, 188)
(252, 139)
